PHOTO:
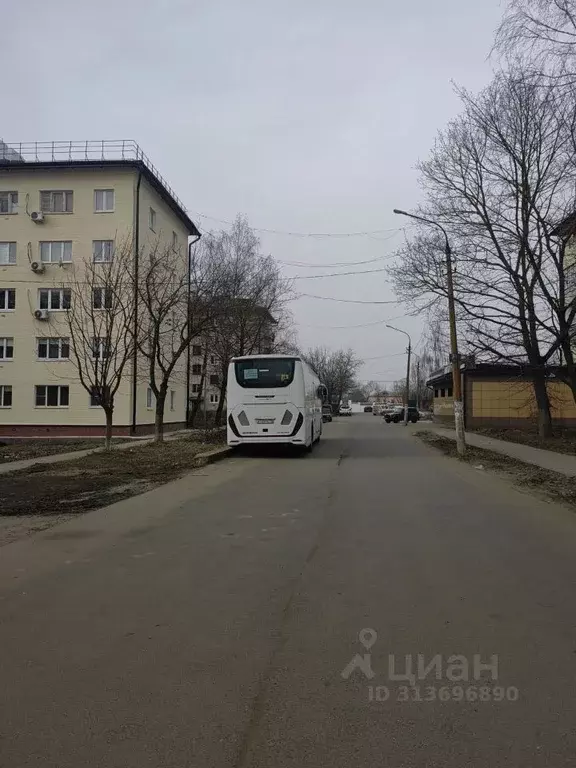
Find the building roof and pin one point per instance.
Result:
(92, 154)
(480, 370)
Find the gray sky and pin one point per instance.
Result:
(307, 116)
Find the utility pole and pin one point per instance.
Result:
(407, 384)
(454, 356)
(409, 350)
(418, 384)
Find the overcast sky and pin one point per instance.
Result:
(307, 116)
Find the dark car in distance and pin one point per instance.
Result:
(397, 414)
(367, 409)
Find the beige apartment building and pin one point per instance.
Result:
(62, 203)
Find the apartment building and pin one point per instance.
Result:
(60, 204)
(248, 329)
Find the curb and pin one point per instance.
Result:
(209, 457)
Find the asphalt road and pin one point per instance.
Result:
(209, 623)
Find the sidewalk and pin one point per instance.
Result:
(13, 466)
(557, 462)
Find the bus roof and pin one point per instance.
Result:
(265, 357)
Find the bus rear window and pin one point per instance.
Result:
(259, 373)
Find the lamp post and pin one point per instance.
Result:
(456, 381)
(392, 327)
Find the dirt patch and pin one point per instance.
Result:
(552, 486)
(35, 449)
(46, 491)
(563, 440)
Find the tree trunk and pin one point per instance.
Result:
(108, 435)
(159, 416)
(542, 404)
(221, 398)
(198, 400)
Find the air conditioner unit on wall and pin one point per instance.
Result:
(41, 314)
(37, 266)
(37, 217)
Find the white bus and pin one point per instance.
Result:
(273, 399)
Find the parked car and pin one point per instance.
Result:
(367, 409)
(326, 413)
(345, 410)
(396, 415)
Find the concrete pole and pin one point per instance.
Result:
(407, 383)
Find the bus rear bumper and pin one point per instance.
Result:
(265, 440)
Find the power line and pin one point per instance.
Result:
(303, 264)
(345, 301)
(305, 234)
(336, 274)
(381, 357)
(346, 327)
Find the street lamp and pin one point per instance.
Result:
(392, 327)
(456, 382)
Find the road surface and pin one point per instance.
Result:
(215, 622)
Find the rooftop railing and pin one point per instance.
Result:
(81, 151)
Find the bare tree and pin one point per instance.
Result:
(100, 318)
(336, 370)
(543, 34)
(252, 301)
(177, 305)
(499, 179)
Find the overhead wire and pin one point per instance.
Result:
(337, 274)
(367, 233)
(345, 301)
(346, 327)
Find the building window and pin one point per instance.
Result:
(149, 398)
(196, 350)
(54, 298)
(56, 252)
(99, 395)
(8, 202)
(197, 369)
(52, 396)
(7, 253)
(152, 219)
(174, 240)
(449, 392)
(53, 348)
(213, 398)
(195, 389)
(57, 201)
(442, 393)
(102, 251)
(215, 379)
(6, 348)
(172, 399)
(5, 396)
(436, 393)
(100, 347)
(212, 360)
(7, 299)
(103, 200)
(102, 298)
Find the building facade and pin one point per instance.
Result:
(62, 204)
(500, 396)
